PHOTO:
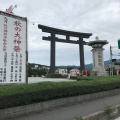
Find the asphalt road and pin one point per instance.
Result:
(40, 79)
(69, 113)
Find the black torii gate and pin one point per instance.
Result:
(68, 34)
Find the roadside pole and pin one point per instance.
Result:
(111, 69)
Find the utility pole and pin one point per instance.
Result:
(111, 67)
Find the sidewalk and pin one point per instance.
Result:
(69, 113)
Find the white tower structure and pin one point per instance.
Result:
(98, 59)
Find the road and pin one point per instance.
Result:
(69, 113)
(40, 79)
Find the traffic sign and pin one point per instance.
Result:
(119, 43)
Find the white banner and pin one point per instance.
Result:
(13, 47)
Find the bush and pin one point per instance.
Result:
(23, 94)
(84, 78)
(78, 78)
(54, 75)
(73, 77)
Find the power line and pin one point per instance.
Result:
(33, 22)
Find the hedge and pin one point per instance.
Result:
(54, 75)
(78, 78)
(23, 94)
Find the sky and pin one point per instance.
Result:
(99, 17)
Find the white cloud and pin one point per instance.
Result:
(98, 17)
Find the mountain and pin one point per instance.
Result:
(106, 63)
(32, 65)
(87, 66)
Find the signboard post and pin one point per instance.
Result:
(13, 49)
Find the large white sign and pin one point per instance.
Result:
(13, 48)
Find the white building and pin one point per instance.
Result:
(74, 72)
(61, 71)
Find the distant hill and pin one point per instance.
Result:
(68, 66)
(32, 65)
(106, 63)
(87, 66)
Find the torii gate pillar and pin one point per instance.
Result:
(52, 54)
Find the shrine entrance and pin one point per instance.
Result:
(53, 32)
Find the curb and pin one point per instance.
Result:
(101, 114)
